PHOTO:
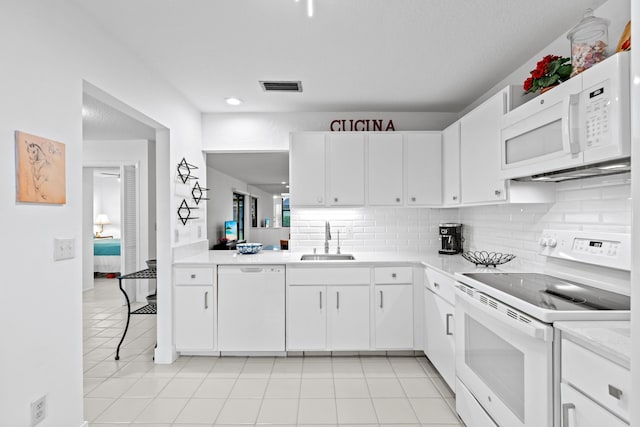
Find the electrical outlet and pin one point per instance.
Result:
(64, 249)
(348, 231)
(38, 410)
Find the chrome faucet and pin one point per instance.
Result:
(327, 236)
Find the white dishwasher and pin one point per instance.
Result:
(251, 309)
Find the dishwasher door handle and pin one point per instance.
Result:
(251, 269)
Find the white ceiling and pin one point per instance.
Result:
(101, 121)
(352, 55)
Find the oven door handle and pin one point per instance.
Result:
(532, 327)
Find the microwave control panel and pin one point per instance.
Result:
(594, 108)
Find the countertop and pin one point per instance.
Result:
(448, 264)
(610, 339)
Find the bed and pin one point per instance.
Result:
(106, 255)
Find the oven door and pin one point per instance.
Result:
(504, 359)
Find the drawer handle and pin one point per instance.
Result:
(320, 300)
(449, 317)
(381, 299)
(436, 285)
(338, 300)
(394, 275)
(206, 300)
(615, 392)
(566, 407)
(193, 276)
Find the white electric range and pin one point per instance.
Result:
(506, 356)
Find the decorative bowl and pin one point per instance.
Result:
(151, 264)
(487, 258)
(248, 248)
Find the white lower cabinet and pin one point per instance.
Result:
(595, 391)
(439, 344)
(328, 318)
(306, 317)
(348, 317)
(577, 410)
(194, 308)
(393, 308)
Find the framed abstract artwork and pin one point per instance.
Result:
(40, 170)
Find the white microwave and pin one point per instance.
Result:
(583, 121)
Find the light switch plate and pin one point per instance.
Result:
(64, 248)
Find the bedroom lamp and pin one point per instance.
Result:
(101, 220)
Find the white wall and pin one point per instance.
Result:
(106, 200)
(54, 47)
(270, 131)
(635, 176)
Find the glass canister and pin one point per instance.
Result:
(589, 40)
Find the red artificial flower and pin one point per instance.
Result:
(527, 84)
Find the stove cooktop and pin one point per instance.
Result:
(552, 293)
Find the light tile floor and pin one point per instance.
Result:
(207, 391)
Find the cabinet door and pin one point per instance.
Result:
(451, 165)
(394, 316)
(307, 318)
(345, 169)
(439, 342)
(577, 410)
(307, 169)
(348, 317)
(480, 152)
(385, 169)
(194, 318)
(424, 169)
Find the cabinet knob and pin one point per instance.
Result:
(436, 285)
(393, 275)
(335, 199)
(497, 193)
(455, 197)
(413, 199)
(398, 199)
(193, 276)
(319, 200)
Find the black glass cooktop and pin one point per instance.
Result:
(553, 293)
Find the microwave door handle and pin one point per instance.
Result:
(573, 123)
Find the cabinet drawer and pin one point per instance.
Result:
(328, 276)
(194, 276)
(583, 411)
(607, 383)
(391, 275)
(441, 284)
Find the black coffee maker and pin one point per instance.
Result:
(450, 239)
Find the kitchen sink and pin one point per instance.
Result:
(327, 257)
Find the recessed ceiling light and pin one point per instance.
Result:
(233, 101)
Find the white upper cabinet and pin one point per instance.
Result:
(345, 170)
(451, 165)
(385, 169)
(480, 151)
(423, 168)
(307, 169)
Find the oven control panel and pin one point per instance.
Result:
(604, 249)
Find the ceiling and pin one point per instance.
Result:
(266, 171)
(352, 55)
(101, 121)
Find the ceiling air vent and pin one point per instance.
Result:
(291, 86)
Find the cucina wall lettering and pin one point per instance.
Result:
(362, 125)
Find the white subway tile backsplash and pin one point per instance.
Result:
(596, 204)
